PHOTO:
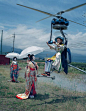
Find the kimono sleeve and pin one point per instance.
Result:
(62, 47)
(53, 47)
(30, 64)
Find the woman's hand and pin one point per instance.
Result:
(49, 45)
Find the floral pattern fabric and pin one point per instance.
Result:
(14, 71)
(31, 81)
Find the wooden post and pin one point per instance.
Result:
(13, 41)
(1, 41)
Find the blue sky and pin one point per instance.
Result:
(22, 22)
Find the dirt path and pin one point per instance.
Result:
(77, 84)
(63, 81)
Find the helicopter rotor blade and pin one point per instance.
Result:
(37, 10)
(71, 8)
(50, 15)
(44, 18)
(77, 23)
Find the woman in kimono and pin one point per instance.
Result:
(31, 80)
(14, 70)
(59, 48)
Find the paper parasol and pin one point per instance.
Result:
(30, 50)
(12, 55)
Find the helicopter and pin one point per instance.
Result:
(59, 23)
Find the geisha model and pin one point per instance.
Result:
(31, 79)
(14, 70)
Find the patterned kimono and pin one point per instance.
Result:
(31, 81)
(57, 63)
(14, 71)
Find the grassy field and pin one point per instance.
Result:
(49, 98)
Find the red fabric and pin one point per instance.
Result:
(33, 87)
(13, 80)
(26, 92)
(18, 97)
(32, 69)
(14, 66)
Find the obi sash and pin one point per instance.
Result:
(32, 69)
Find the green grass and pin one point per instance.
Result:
(79, 65)
(49, 97)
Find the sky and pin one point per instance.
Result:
(22, 22)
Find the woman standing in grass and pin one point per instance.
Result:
(14, 70)
(31, 79)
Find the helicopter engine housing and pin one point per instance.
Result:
(60, 24)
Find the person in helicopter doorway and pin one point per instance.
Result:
(14, 70)
(59, 48)
(31, 79)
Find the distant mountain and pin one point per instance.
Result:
(74, 57)
(46, 54)
(6, 49)
(78, 58)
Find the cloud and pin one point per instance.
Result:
(77, 43)
(26, 37)
(77, 39)
(1, 27)
(35, 34)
